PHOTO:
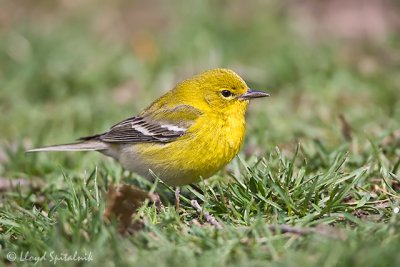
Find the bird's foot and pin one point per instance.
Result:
(177, 201)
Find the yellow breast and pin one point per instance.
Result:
(206, 147)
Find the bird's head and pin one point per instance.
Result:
(219, 90)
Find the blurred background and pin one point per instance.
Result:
(72, 68)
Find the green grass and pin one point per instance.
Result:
(61, 77)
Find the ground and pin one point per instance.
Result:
(316, 183)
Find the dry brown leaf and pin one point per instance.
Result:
(123, 202)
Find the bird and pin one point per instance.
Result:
(186, 135)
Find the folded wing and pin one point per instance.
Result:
(161, 126)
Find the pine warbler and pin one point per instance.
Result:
(189, 133)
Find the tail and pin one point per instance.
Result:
(91, 145)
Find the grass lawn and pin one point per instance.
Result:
(317, 182)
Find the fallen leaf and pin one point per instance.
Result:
(123, 202)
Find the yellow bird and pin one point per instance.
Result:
(189, 133)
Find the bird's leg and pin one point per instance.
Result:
(177, 202)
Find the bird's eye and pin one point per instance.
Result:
(226, 93)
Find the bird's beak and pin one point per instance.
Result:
(253, 94)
